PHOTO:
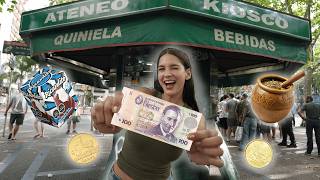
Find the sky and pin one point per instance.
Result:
(6, 21)
(36, 4)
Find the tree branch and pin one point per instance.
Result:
(288, 4)
(308, 9)
(315, 39)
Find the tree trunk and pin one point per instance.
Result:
(308, 77)
(308, 82)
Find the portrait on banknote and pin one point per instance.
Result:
(156, 118)
(169, 121)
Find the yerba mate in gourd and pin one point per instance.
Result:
(271, 102)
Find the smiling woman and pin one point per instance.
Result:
(175, 78)
(175, 85)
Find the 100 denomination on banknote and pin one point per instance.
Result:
(156, 118)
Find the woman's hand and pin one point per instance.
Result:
(205, 149)
(102, 112)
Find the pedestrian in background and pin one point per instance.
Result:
(74, 119)
(19, 108)
(286, 129)
(249, 121)
(39, 131)
(265, 129)
(273, 130)
(312, 119)
(232, 121)
(223, 115)
(258, 130)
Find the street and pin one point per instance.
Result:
(41, 158)
(288, 163)
(46, 158)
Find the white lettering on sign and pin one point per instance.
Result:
(232, 9)
(86, 10)
(88, 35)
(213, 5)
(240, 39)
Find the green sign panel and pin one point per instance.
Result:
(16, 48)
(225, 10)
(169, 29)
(247, 15)
(84, 11)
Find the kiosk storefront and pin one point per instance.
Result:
(114, 43)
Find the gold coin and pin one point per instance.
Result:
(258, 153)
(83, 148)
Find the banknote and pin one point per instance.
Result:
(156, 118)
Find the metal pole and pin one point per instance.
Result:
(91, 103)
(8, 100)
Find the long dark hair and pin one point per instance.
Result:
(188, 89)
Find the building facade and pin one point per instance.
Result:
(9, 26)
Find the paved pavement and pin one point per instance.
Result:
(288, 163)
(29, 158)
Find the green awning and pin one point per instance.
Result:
(230, 25)
(97, 33)
(229, 11)
(169, 28)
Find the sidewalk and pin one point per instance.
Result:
(288, 163)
